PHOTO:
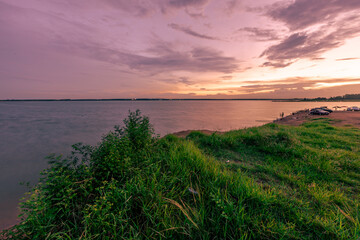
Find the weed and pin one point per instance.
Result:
(269, 182)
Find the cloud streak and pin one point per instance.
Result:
(181, 80)
(289, 87)
(186, 3)
(189, 31)
(163, 58)
(142, 8)
(231, 6)
(297, 83)
(300, 14)
(346, 59)
(309, 36)
(260, 34)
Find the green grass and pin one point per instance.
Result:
(269, 182)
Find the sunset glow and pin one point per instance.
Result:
(179, 48)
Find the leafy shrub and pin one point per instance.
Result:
(123, 150)
(74, 189)
(134, 186)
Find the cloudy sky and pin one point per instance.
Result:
(179, 48)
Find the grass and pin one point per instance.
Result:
(269, 182)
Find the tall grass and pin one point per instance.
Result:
(270, 182)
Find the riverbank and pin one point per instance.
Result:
(269, 182)
(339, 118)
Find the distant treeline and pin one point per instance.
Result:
(346, 97)
(144, 99)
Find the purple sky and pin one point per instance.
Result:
(179, 48)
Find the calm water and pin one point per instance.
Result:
(29, 131)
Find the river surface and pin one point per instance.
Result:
(29, 131)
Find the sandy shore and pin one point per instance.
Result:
(343, 118)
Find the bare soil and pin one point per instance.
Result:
(343, 118)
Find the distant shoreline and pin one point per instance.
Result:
(178, 99)
(138, 99)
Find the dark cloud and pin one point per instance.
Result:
(288, 88)
(288, 50)
(231, 6)
(346, 59)
(294, 83)
(226, 77)
(272, 87)
(191, 32)
(300, 14)
(310, 45)
(318, 59)
(315, 28)
(170, 5)
(136, 7)
(144, 8)
(183, 80)
(276, 64)
(186, 3)
(296, 87)
(259, 34)
(195, 15)
(164, 58)
(196, 60)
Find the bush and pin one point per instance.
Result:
(74, 189)
(134, 186)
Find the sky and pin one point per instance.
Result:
(179, 48)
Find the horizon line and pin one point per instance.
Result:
(142, 99)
